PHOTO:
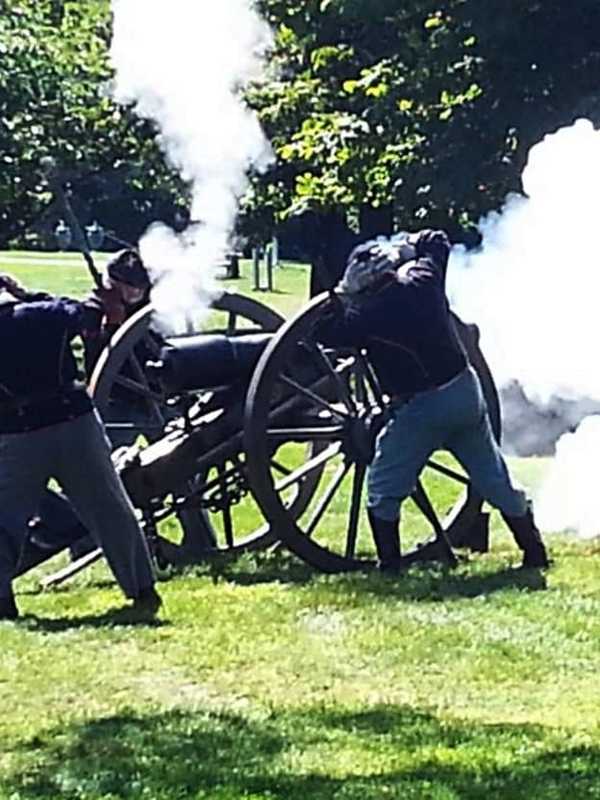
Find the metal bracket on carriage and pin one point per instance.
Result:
(186, 405)
(126, 457)
(228, 489)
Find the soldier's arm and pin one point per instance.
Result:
(20, 292)
(350, 326)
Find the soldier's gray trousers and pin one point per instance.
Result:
(453, 417)
(77, 454)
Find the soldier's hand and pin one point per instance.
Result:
(114, 308)
(12, 285)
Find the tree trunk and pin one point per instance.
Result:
(376, 221)
(333, 240)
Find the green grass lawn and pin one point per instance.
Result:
(66, 273)
(266, 680)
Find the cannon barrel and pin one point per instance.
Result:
(190, 363)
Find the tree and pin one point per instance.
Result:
(424, 107)
(54, 100)
(363, 91)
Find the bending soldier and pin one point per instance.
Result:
(396, 307)
(49, 428)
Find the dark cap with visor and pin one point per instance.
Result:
(127, 267)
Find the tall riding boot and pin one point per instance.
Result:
(8, 607)
(528, 539)
(387, 541)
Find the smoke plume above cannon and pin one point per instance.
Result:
(183, 64)
(533, 288)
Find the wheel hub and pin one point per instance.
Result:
(361, 434)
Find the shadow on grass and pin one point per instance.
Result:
(433, 583)
(247, 569)
(66, 588)
(424, 582)
(109, 619)
(392, 752)
(420, 583)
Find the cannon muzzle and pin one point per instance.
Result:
(191, 363)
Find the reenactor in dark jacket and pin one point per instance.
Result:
(396, 307)
(125, 289)
(50, 429)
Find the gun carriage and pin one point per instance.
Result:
(251, 432)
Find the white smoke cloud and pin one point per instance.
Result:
(533, 288)
(569, 499)
(183, 63)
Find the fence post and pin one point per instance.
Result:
(256, 267)
(269, 266)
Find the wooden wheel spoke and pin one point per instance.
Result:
(280, 467)
(363, 397)
(133, 426)
(153, 398)
(320, 401)
(342, 386)
(354, 515)
(134, 361)
(314, 463)
(152, 344)
(448, 472)
(326, 498)
(226, 510)
(424, 505)
(228, 526)
(371, 378)
(313, 434)
(142, 390)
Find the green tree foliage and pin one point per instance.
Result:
(424, 108)
(55, 100)
(427, 107)
(364, 91)
(538, 68)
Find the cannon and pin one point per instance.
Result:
(251, 432)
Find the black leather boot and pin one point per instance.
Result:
(148, 602)
(387, 542)
(8, 607)
(528, 539)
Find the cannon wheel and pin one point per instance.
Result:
(121, 369)
(343, 387)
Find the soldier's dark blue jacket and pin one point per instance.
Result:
(38, 371)
(406, 327)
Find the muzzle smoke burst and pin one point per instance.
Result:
(183, 64)
(533, 289)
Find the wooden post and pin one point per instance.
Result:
(256, 268)
(269, 267)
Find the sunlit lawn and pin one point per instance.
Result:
(67, 274)
(264, 679)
